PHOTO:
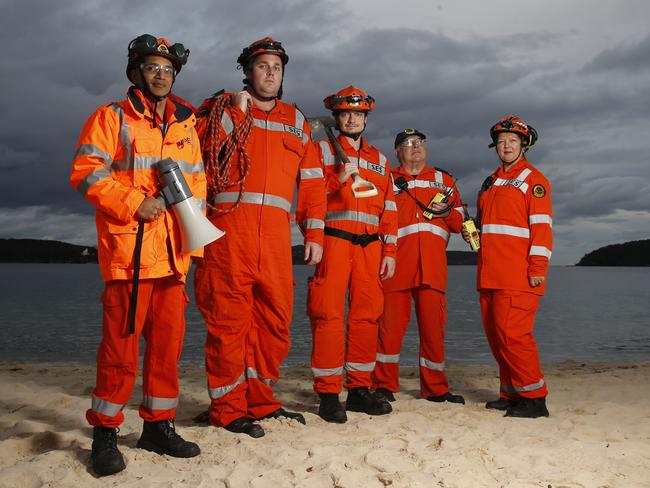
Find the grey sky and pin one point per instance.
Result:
(577, 71)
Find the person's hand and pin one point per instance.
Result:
(440, 207)
(348, 170)
(535, 280)
(313, 253)
(387, 269)
(242, 99)
(150, 209)
(466, 235)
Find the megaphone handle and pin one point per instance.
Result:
(137, 253)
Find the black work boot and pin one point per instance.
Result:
(105, 456)
(500, 404)
(361, 400)
(244, 425)
(386, 393)
(530, 408)
(161, 438)
(447, 397)
(330, 408)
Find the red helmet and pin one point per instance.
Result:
(512, 123)
(350, 98)
(148, 45)
(268, 45)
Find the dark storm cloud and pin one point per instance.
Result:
(591, 112)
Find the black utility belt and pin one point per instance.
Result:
(357, 239)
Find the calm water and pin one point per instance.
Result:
(51, 312)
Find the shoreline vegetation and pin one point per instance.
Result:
(597, 435)
(632, 253)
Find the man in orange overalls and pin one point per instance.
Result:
(421, 273)
(115, 170)
(515, 215)
(360, 237)
(244, 285)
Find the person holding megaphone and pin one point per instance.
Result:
(142, 257)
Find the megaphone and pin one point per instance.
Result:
(196, 230)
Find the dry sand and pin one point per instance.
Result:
(598, 435)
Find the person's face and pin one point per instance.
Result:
(412, 150)
(265, 75)
(508, 146)
(158, 74)
(351, 121)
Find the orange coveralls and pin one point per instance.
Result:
(244, 286)
(348, 266)
(114, 170)
(516, 242)
(420, 275)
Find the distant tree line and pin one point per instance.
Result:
(633, 253)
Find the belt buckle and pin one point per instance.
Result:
(363, 239)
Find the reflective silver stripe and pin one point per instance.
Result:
(431, 365)
(105, 407)
(156, 403)
(352, 215)
(422, 227)
(216, 393)
(425, 184)
(148, 163)
(387, 358)
(125, 140)
(278, 127)
(197, 168)
(508, 230)
(92, 178)
(251, 197)
(540, 251)
(251, 373)
(92, 150)
(312, 224)
(308, 173)
(327, 371)
(534, 386)
(389, 239)
(226, 123)
(460, 211)
(300, 122)
(328, 158)
(390, 205)
(540, 219)
(517, 182)
(362, 367)
(439, 177)
(382, 159)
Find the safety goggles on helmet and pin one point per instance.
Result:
(268, 45)
(514, 124)
(148, 45)
(349, 98)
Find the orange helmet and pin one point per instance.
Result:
(350, 98)
(268, 45)
(512, 123)
(148, 45)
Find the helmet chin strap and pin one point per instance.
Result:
(156, 99)
(508, 163)
(354, 136)
(261, 97)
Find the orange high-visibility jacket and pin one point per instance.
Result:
(370, 215)
(282, 154)
(114, 170)
(422, 243)
(516, 238)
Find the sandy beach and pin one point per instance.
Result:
(598, 435)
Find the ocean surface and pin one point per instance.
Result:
(52, 312)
